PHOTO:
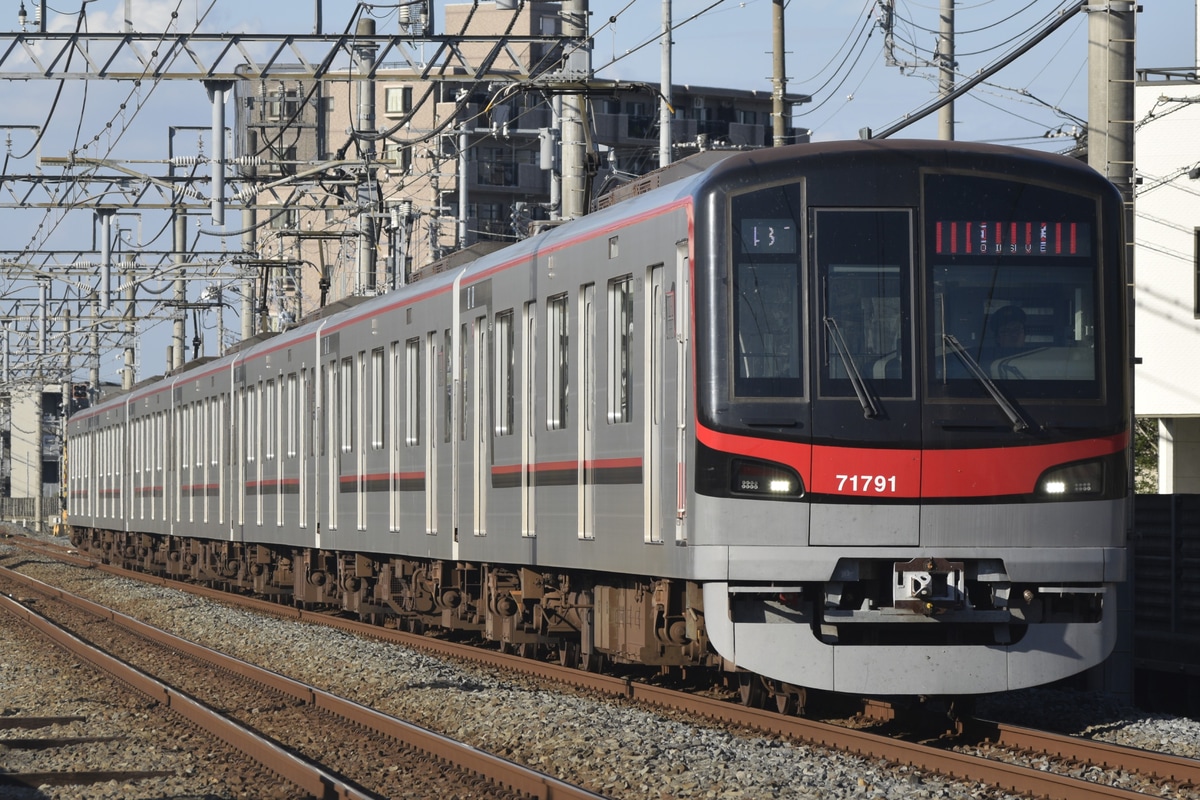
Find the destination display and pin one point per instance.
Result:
(768, 236)
(1016, 239)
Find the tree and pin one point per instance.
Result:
(1145, 455)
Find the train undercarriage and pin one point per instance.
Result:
(589, 620)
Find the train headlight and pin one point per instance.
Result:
(763, 479)
(1075, 480)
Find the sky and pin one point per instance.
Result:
(835, 52)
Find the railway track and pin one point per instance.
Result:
(1063, 767)
(329, 747)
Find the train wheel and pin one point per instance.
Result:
(751, 690)
(790, 702)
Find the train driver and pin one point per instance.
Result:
(1008, 328)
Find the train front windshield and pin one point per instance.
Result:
(1012, 290)
(980, 294)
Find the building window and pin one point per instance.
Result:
(283, 105)
(397, 157)
(1196, 270)
(496, 166)
(398, 100)
(284, 218)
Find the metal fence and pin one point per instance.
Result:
(23, 511)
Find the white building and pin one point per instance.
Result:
(1167, 268)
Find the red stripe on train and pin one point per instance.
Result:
(912, 474)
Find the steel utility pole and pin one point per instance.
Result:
(945, 60)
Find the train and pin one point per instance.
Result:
(845, 416)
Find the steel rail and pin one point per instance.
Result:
(1163, 766)
(308, 777)
(1010, 777)
(516, 777)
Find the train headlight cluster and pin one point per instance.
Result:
(1075, 480)
(764, 479)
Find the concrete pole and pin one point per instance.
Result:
(177, 327)
(579, 68)
(1110, 152)
(779, 111)
(1110, 108)
(365, 122)
(67, 377)
(556, 173)
(250, 249)
(664, 102)
(127, 376)
(1110, 94)
(945, 59)
(106, 215)
(463, 186)
(94, 355)
(43, 319)
(220, 349)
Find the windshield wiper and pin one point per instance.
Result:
(1019, 423)
(870, 409)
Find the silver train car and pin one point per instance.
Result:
(775, 416)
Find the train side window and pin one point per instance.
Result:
(620, 348)
(346, 409)
(269, 421)
(218, 425)
(505, 365)
(557, 362)
(292, 416)
(251, 423)
(448, 383)
(378, 400)
(464, 382)
(412, 386)
(395, 390)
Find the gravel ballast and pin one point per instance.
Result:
(611, 747)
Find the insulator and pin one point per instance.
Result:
(187, 161)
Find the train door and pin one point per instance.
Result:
(332, 432)
(862, 268)
(682, 306)
(480, 435)
(654, 404)
(528, 418)
(446, 494)
(347, 425)
(433, 382)
(586, 472)
(665, 406)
